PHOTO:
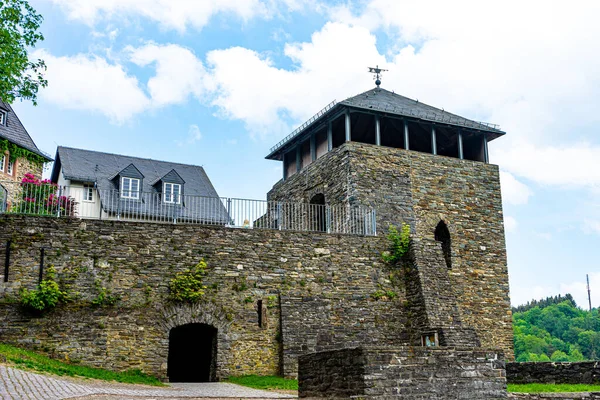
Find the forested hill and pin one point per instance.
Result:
(548, 301)
(554, 329)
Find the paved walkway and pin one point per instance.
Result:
(21, 385)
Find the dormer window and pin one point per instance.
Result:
(172, 193)
(130, 188)
(2, 117)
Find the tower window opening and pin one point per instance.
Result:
(442, 235)
(259, 309)
(317, 213)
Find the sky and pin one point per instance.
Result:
(218, 82)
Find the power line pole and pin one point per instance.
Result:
(589, 292)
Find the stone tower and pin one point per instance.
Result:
(420, 165)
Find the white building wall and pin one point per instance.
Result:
(75, 189)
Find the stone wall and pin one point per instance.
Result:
(586, 372)
(423, 189)
(316, 291)
(11, 182)
(327, 175)
(403, 372)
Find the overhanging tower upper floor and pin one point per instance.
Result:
(383, 118)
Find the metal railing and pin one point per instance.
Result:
(406, 111)
(93, 203)
(303, 126)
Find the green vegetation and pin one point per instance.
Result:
(105, 296)
(551, 388)
(30, 360)
(187, 286)
(272, 301)
(399, 241)
(46, 296)
(15, 152)
(20, 77)
(265, 382)
(555, 329)
(384, 295)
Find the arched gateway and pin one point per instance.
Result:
(192, 353)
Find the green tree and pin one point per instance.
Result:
(20, 77)
(575, 355)
(559, 356)
(556, 328)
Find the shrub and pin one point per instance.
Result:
(187, 286)
(46, 296)
(43, 198)
(399, 241)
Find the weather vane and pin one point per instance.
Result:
(377, 71)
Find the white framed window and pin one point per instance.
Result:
(10, 167)
(88, 193)
(172, 193)
(130, 188)
(2, 117)
(2, 162)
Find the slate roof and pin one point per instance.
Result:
(387, 102)
(15, 132)
(102, 169)
(393, 103)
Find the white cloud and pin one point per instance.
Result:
(252, 89)
(179, 73)
(510, 224)
(591, 226)
(194, 136)
(579, 290)
(173, 14)
(513, 191)
(522, 294)
(575, 165)
(89, 82)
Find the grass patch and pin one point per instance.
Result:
(25, 359)
(265, 382)
(551, 388)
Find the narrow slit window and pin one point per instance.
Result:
(2, 162)
(259, 310)
(442, 235)
(10, 167)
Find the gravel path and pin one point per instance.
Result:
(21, 385)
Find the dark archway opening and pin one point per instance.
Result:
(442, 234)
(192, 353)
(317, 213)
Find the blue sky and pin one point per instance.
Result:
(218, 82)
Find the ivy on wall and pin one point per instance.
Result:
(188, 286)
(19, 152)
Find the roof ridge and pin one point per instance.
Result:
(136, 157)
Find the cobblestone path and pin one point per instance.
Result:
(20, 385)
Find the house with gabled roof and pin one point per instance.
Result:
(114, 186)
(19, 155)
